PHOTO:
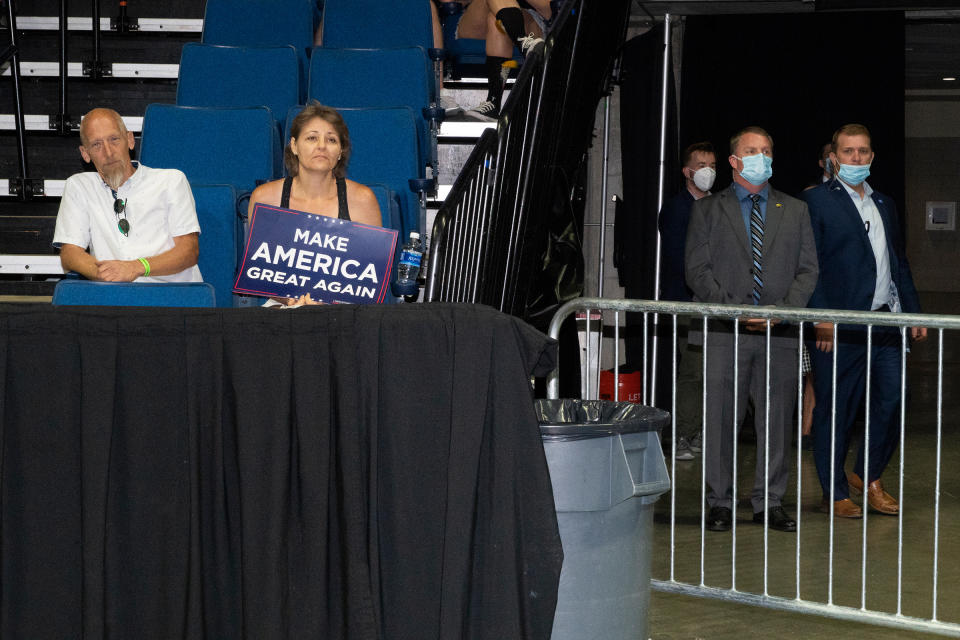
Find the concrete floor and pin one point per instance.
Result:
(674, 616)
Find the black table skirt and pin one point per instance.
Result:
(331, 472)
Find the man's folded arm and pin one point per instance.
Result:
(182, 255)
(73, 258)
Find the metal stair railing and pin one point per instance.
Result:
(493, 228)
(22, 186)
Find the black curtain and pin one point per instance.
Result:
(635, 233)
(797, 75)
(800, 77)
(635, 230)
(334, 472)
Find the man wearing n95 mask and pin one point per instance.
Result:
(699, 170)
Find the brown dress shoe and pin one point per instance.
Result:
(854, 481)
(878, 499)
(845, 508)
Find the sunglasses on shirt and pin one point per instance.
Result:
(120, 207)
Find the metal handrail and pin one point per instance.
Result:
(493, 227)
(12, 52)
(460, 196)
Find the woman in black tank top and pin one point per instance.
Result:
(343, 211)
(316, 159)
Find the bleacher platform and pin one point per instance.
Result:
(212, 55)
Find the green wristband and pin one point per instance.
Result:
(146, 266)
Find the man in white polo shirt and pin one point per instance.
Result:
(125, 222)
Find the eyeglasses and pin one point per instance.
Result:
(119, 207)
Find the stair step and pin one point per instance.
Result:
(134, 70)
(31, 265)
(78, 23)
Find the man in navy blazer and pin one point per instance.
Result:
(699, 172)
(863, 267)
(750, 244)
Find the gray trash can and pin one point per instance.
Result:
(607, 470)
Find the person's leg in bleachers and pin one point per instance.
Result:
(502, 24)
(450, 106)
(435, 22)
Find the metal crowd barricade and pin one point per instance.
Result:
(718, 552)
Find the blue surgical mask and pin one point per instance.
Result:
(854, 174)
(757, 169)
(828, 166)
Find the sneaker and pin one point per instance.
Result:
(486, 111)
(528, 43)
(696, 443)
(449, 106)
(683, 450)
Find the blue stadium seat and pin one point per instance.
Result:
(226, 76)
(389, 206)
(371, 24)
(378, 78)
(134, 294)
(384, 143)
(213, 145)
(377, 23)
(385, 151)
(257, 23)
(220, 235)
(260, 22)
(390, 212)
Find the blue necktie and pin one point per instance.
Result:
(756, 242)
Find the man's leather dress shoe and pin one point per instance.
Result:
(878, 499)
(777, 519)
(845, 508)
(719, 519)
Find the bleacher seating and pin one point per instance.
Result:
(390, 215)
(247, 48)
(377, 23)
(251, 23)
(378, 78)
(220, 238)
(372, 24)
(134, 294)
(384, 142)
(260, 22)
(389, 205)
(231, 76)
(213, 145)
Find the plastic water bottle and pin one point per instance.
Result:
(410, 257)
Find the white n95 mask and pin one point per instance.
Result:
(704, 177)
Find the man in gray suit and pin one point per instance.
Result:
(750, 245)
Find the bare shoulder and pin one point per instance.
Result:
(268, 193)
(363, 204)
